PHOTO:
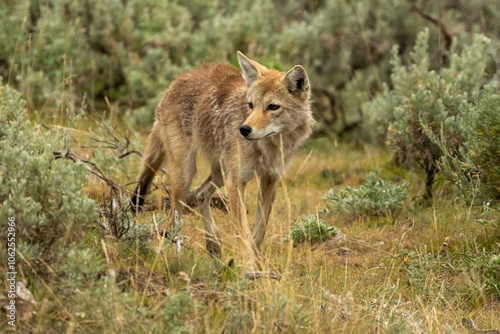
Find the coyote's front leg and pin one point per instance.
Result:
(267, 194)
(238, 212)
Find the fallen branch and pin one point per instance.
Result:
(447, 36)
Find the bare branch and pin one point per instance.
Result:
(116, 207)
(115, 139)
(447, 36)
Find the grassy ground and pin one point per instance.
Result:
(390, 274)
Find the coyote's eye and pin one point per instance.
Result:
(273, 107)
(250, 105)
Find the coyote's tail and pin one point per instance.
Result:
(152, 161)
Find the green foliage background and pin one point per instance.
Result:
(59, 52)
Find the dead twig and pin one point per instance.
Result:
(116, 209)
(92, 167)
(446, 34)
(116, 140)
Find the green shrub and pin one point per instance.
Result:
(484, 141)
(55, 52)
(440, 99)
(474, 168)
(80, 266)
(310, 229)
(375, 197)
(177, 312)
(42, 194)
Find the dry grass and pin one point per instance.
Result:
(355, 285)
(386, 276)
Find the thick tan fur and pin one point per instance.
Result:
(208, 110)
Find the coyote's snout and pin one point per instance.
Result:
(246, 124)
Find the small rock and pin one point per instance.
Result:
(23, 293)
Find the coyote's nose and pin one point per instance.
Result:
(245, 130)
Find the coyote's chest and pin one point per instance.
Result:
(264, 159)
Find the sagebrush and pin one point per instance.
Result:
(375, 197)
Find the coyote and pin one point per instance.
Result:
(245, 124)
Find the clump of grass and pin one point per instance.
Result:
(310, 229)
(375, 197)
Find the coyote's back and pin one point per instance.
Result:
(205, 104)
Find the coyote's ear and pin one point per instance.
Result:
(296, 79)
(251, 69)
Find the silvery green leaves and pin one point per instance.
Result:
(310, 229)
(375, 197)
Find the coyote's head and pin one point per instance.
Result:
(278, 102)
